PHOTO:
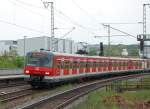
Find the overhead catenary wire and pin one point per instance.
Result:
(64, 35)
(71, 21)
(34, 6)
(30, 10)
(84, 11)
(23, 27)
(127, 34)
(123, 32)
(74, 22)
(28, 4)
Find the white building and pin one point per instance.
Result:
(45, 42)
(7, 46)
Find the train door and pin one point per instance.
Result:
(90, 65)
(62, 67)
(85, 65)
(57, 66)
(148, 64)
(81, 65)
(114, 65)
(110, 65)
(70, 66)
(94, 66)
(66, 66)
(78, 66)
(74, 69)
(99, 65)
(125, 65)
(102, 65)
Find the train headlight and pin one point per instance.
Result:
(27, 71)
(47, 73)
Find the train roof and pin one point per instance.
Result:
(96, 57)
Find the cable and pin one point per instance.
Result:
(123, 32)
(64, 35)
(28, 4)
(20, 26)
(83, 10)
(120, 31)
(106, 23)
(26, 8)
(74, 22)
(119, 23)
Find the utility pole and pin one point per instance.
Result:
(144, 28)
(144, 37)
(46, 5)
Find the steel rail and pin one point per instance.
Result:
(5, 97)
(61, 100)
(11, 83)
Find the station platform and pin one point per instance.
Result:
(4, 77)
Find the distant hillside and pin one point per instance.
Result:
(115, 50)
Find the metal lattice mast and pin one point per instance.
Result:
(52, 26)
(144, 19)
(46, 5)
(144, 29)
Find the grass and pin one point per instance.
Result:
(102, 99)
(105, 100)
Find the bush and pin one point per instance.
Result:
(11, 62)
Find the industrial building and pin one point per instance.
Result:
(45, 42)
(7, 46)
(22, 46)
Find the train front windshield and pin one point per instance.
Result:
(38, 59)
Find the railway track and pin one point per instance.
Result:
(11, 82)
(61, 100)
(11, 94)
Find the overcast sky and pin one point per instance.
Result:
(29, 18)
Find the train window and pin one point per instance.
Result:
(42, 60)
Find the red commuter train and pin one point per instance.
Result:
(47, 67)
